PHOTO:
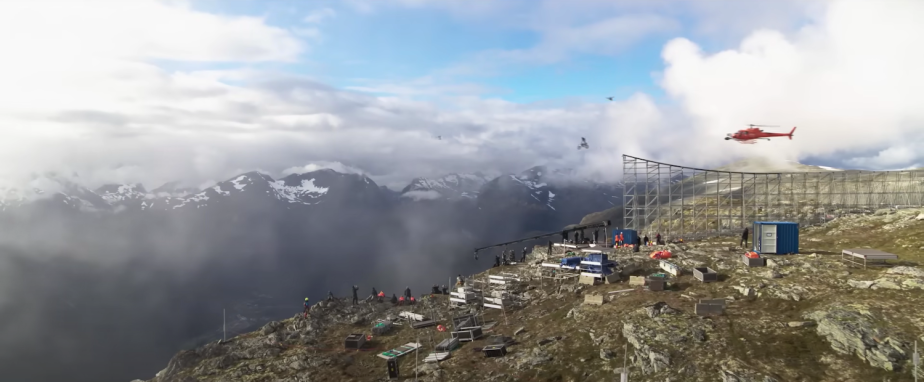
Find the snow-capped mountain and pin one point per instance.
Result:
(547, 195)
(297, 189)
(553, 189)
(449, 187)
(557, 196)
(123, 195)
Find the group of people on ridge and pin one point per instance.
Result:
(380, 295)
(508, 257)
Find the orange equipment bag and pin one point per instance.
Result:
(752, 255)
(660, 255)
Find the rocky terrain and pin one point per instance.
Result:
(804, 317)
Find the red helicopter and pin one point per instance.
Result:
(753, 133)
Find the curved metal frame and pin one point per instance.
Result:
(687, 202)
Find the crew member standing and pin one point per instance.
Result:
(658, 239)
(744, 238)
(355, 297)
(307, 307)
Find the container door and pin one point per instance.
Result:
(768, 238)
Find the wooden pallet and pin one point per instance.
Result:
(400, 350)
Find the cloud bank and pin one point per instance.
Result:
(110, 100)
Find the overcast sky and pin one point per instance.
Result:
(155, 91)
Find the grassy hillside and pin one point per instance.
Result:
(805, 317)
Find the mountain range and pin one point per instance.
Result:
(558, 194)
(99, 264)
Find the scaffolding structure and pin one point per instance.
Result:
(685, 202)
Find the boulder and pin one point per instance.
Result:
(745, 291)
(907, 271)
(885, 283)
(913, 284)
(772, 274)
(860, 284)
(658, 309)
(270, 327)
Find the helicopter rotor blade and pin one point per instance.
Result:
(753, 125)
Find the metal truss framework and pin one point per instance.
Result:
(686, 202)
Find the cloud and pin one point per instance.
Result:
(135, 30)
(320, 15)
(422, 195)
(336, 166)
(119, 117)
(849, 81)
(423, 86)
(605, 37)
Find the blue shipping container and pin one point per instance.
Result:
(572, 261)
(628, 235)
(780, 238)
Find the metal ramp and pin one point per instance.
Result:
(412, 316)
(400, 350)
(436, 357)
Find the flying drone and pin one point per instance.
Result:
(583, 144)
(754, 133)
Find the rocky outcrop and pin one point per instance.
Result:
(853, 330)
(656, 328)
(897, 278)
(907, 271)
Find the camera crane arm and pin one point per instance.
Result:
(604, 224)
